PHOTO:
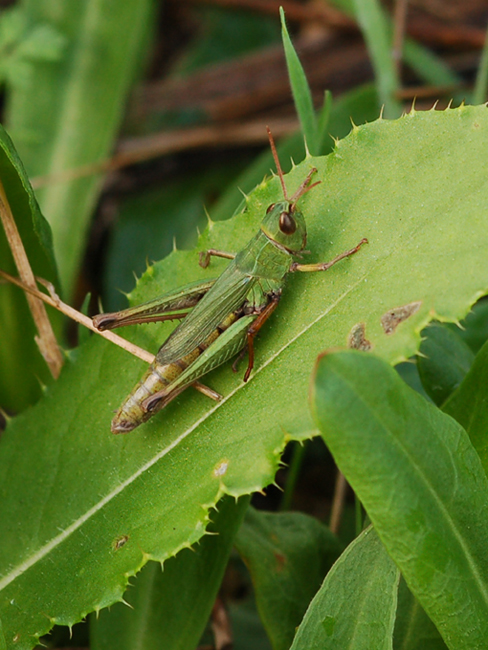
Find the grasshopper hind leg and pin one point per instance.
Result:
(228, 344)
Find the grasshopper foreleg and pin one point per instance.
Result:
(326, 265)
(204, 258)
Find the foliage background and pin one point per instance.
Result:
(131, 119)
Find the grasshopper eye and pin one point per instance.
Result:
(270, 207)
(287, 223)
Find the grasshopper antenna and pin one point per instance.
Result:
(304, 187)
(277, 162)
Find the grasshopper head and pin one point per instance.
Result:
(285, 225)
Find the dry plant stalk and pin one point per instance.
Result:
(46, 340)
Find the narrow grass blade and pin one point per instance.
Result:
(301, 91)
(481, 85)
(377, 35)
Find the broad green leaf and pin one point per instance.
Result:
(22, 366)
(443, 362)
(156, 486)
(3, 644)
(355, 607)
(421, 482)
(469, 405)
(474, 330)
(413, 628)
(66, 113)
(288, 555)
(170, 605)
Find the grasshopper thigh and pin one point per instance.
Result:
(184, 297)
(227, 345)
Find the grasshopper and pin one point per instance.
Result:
(226, 312)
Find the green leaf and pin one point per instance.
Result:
(288, 555)
(23, 368)
(67, 113)
(355, 607)
(158, 484)
(474, 330)
(421, 482)
(443, 362)
(468, 405)
(170, 605)
(413, 628)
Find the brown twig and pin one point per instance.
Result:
(46, 340)
(295, 11)
(55, 301)
(422, 92)
(399, 22)
(221, 626)
(145, 148)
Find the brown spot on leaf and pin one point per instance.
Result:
(394, 317)
(120, 541)
(280, 561)
(357, 338)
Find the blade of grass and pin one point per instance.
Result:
(323, 121)
(481, 85)
(300, 90)
(376, 32)
(427, 65)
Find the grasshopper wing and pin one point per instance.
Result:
(228, 294)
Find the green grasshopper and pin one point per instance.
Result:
(226, 313)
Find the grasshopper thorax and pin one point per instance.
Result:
(284, 225)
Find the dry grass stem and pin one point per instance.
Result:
(46, 340)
